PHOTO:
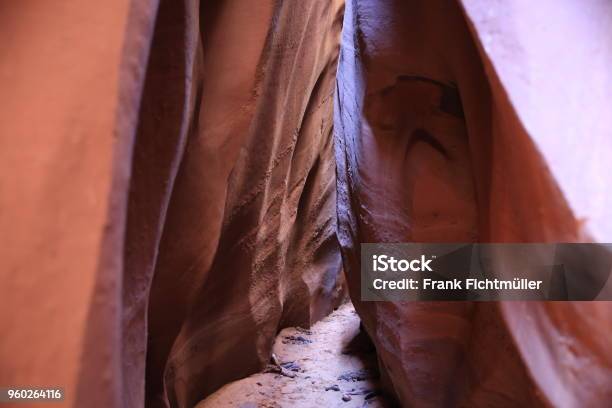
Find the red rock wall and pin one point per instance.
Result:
(170, 190)
(168, 193)
(248, 243)
(71, 76)
(430, 149)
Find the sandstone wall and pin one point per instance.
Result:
(70, 75)
(168, 193)
(432, 146)
(248, 243)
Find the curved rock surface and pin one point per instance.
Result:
(182, 215)
(248, 243)
(431, 146)
(172, 197)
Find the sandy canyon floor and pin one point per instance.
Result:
(333, 364)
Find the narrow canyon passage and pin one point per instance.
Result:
(332, 364)
(190, 181)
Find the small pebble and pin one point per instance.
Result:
(332, 388)
(346, 397)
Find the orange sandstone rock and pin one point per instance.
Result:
(435, 144)
(168, 192)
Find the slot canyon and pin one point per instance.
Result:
(186, 185)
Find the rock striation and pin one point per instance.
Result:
(248, 243)
(170, 187)
(182, 179)
(435, 144)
